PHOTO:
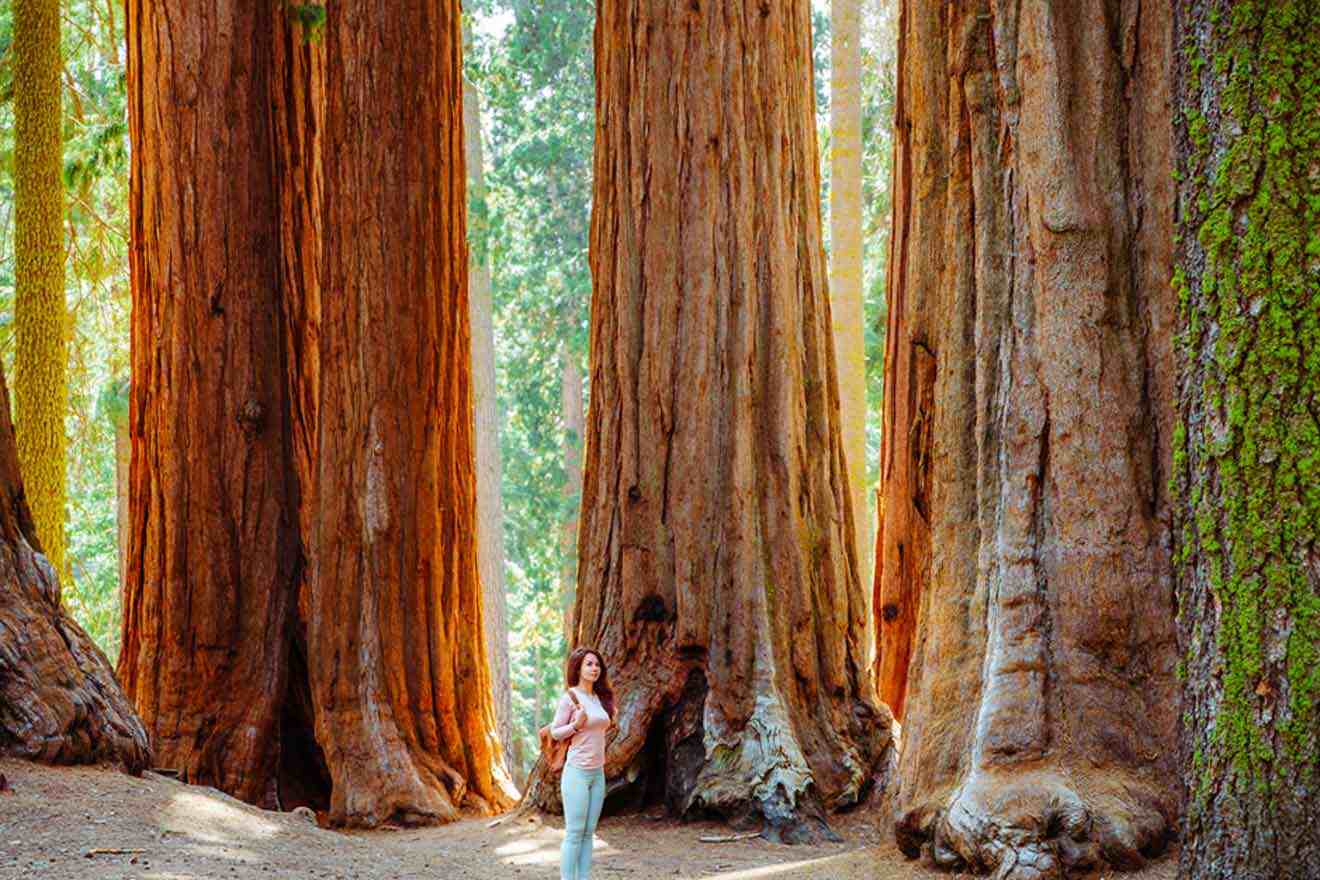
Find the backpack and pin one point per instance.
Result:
(555, 751)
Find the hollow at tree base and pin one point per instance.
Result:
(1039, 825)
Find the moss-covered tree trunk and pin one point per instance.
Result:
(59, 700)
(1028, 423)
(714, 567)
(303, 624)
(40, 322)
(1247, 461)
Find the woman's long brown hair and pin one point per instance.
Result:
(602, 687)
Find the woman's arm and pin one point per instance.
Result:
(562, 727)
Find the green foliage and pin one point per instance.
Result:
(96, 288)
(531, 60)
(311, 17)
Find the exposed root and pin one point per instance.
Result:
(1039, 826)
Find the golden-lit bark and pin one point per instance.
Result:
(41, 350)
(847, 298)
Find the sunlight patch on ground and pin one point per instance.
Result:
(213, 820)
(787, 869)
(543, 849)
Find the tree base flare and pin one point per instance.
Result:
(1040, 825)
(756, 775)
(59, 701)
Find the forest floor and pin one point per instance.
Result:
(95, 823)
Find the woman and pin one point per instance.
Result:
(582, 785)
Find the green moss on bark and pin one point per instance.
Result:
(40, 322)
(1247, 457)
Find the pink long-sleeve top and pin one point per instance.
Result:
(586, 749)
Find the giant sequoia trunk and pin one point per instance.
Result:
(213, 548)
(715, 572)
(1025, 569)
(1246, 461)
(303, 620)
(59, 700)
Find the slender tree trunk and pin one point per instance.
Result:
(573, 416)
(123, 523)
(304, 618)
(1248, 483)
(59, 700)
(213, 552)
(486, 411)
(846, 245)
(41, 350)
(714, 570)
(1028, 411)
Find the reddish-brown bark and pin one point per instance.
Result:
(1024, 560)
(213, 549)
(304, 495)
(59, 700)
(715, 568)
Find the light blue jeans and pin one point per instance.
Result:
(583, 793)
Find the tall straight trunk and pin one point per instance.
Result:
(304, 613)
(486, 412)
(846, 243)
(714, 570)
(1028, 423)
(59, 700)
(123, 523)
(41, 350)
(573, 417)
(213, 552)
(1246, 468)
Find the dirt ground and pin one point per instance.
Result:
(62, 823)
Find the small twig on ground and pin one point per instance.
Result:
(110, 851)
(731, 838)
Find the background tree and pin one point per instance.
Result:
(59, 700)
(40, 322)
(845, 261)
(714, 570)
(1028, 425)
(96, 288)
(1247, 456)
(533, 63)
(486, 413)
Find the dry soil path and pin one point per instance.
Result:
(98, 824)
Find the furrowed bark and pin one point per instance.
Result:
(715, 572)
(1025, 608)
